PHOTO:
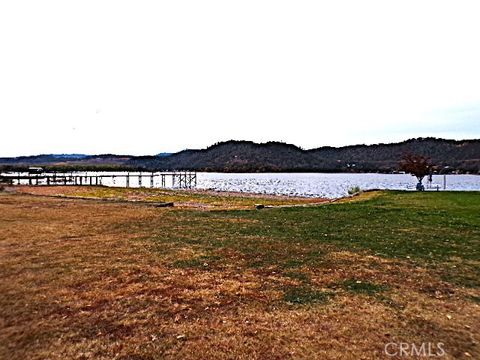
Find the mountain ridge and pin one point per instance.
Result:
(273, 156)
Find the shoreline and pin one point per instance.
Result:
(179, 198)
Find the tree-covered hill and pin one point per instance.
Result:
(247, 156)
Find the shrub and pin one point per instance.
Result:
(354, 190)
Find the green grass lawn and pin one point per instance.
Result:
(440, 230)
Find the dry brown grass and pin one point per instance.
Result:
(82, 280)
(187, 199)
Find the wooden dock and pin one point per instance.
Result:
(176, 179)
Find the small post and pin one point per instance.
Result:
(140, 179)
(444, 181)
(128, 179)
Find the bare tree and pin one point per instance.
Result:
(416, 165)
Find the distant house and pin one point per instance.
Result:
(35, 170)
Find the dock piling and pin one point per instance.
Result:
(179, 179)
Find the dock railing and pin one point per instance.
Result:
(177, 179)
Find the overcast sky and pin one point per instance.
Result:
(143, 77)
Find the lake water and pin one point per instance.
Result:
(326, 185)
(298, 184)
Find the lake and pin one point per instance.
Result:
(297, 184)
(326, 185)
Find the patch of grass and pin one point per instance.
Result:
(199, 199)
(303, 295)
(202, 262)
(190, 263)
(475, 299)
(293, 263)
(387, 301)
(300, 276)
(428, 228)
(363, 287)
(309, 258)
(465, 274)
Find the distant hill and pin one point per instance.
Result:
(246, 156)
(67, 161)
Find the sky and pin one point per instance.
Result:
(144, 77)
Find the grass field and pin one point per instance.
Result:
(99, 280)
(183, 199)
